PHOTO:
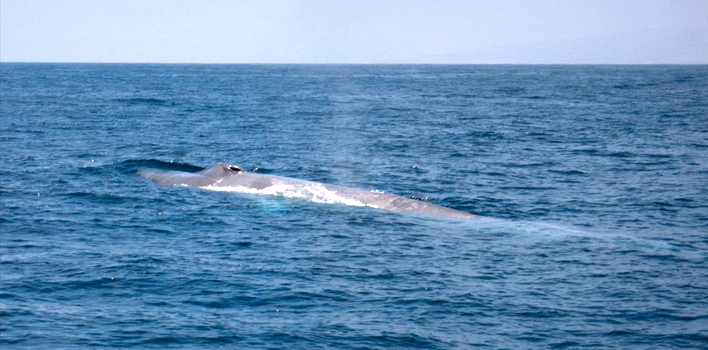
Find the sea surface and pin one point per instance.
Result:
(592, 181)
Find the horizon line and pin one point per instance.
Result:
(363, 64)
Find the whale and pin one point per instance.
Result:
(225, 177)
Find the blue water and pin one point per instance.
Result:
(593, 180)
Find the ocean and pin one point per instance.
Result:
(592, 182)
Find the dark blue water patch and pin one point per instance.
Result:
(133, 165)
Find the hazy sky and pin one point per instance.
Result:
(355, 31)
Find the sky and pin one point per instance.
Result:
(356, 31)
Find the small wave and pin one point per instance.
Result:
(568, 172)
(142, 100)
(262, 170)
(97, 197)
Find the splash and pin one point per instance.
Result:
(315, 193)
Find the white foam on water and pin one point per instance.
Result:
(319, 194)
(530, 228)
(559, 231)
(315, 193)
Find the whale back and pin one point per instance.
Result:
(222, 176)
